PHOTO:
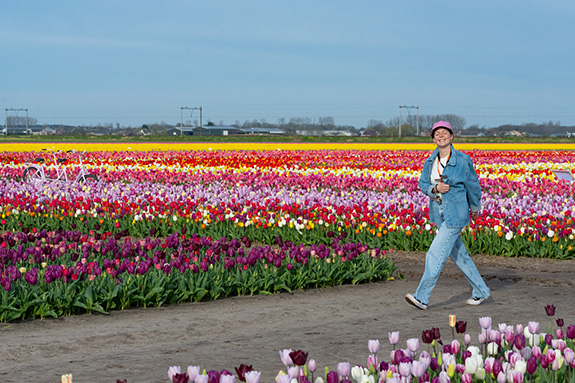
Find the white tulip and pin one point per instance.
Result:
(521, 366)
(492, 348)
(471, 365)
(480, 374)
(474, 350)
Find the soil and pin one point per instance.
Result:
(333, 324)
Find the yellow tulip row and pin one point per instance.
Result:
(166, 146)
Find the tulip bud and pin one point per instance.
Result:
(393, 337)
(455, 346)
(311, 365)
(451, 370)
(452, 321)
(485, 322)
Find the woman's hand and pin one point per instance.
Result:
(442, 188)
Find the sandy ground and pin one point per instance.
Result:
(333, 325)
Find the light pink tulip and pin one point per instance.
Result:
(253, 376)
(393, 337)
(373, 346)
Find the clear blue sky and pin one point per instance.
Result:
(133, 62)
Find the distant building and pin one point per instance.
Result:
(97, 131)
(21, 130)
(215, 130)
(181, 131)
(269, 131)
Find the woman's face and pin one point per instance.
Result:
(442, 137)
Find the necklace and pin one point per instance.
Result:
(440, 163)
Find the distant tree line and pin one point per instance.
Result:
(411, 125)
(297, 125)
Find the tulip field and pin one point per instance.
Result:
(166, 224)
(503, 353)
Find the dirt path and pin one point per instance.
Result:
(333, 325)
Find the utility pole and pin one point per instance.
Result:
(182, 116)
(16, 110)
(408, 113)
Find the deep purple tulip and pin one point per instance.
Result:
(447, 349)
(298, 357)
(460, 327)
(531, 365)
(560, 322)
(427, 336)
(465, 354)
(571, 332)
(550, 310)
(406, 359)
(383, 366)
(332, 377)
(397, 356)
(241, 371)
(519, 341)
(213, 376)
(180, 378)
(434, 365)
(436, 334)
(31, 276)
(548, 339)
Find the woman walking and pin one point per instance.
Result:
(450, 181)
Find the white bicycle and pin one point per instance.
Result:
(39, 172)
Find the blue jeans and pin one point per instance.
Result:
(447, 244)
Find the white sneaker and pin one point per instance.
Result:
(475, 301)
(415, 302)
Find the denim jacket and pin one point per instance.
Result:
(464, 190)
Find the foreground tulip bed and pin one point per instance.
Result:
(164, 227)
(502, 353)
